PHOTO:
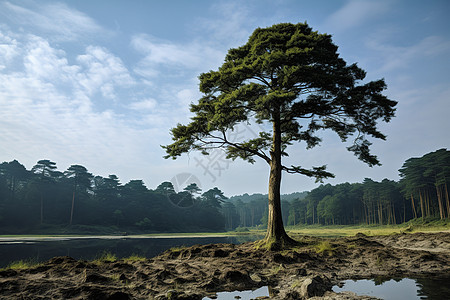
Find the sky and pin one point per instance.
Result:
(101, 83)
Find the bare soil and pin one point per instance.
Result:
(198, 271)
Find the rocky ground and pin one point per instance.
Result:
(308, 271)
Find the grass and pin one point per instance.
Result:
(106, 256)
(325, 248)
(417, 225)
(21, 265)
(102, 258)
(134, 257)
(177, 249)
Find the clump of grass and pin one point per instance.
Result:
(21, 265)
(134, 257)
(177, 249)
(106, 256)
(325, 247)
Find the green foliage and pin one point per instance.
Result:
(241, 229)
(266, 80)
(177, 249)
(106, 256)
(424, 181)
(145, 224)
(325, 247)
(21, 265)
(43, 199)
(134, 257)
(30, 205)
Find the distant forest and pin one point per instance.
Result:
(44, 199)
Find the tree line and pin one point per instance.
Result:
(43, 197)
(422, 192)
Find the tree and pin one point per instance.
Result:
(165, 188)
(214, 197)
(420, 176)
(107, 189)
(45, 169)
(14, 172)
(81, 181)
(291, 80)
(193, 189)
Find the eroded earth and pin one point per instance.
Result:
(305, 272)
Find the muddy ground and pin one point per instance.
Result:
(308, 271)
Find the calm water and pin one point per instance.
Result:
(243, 295)
(399, 289)
(90, 248)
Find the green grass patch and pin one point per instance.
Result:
(134, 257)
(178, 248)
(21, 265)
(106, 256)
(325, 247)
(416, 225)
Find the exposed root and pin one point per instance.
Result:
(272, 243)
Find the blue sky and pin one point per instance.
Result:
(100, 83)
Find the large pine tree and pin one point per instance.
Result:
(291, 79)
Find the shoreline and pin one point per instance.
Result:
(25, 238)
(309, 270)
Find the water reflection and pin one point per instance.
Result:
(261, 292)
(398, 289)
(89, 248)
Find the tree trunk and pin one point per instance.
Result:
(413, 206)
(404, 210)
(427, 204)
(71, 211)
(422, 207)
(441, 206)
(276, 236)
(448, 201)
(42, 208)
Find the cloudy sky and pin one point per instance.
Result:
(100, 83)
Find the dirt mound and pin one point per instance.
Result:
(194, 272)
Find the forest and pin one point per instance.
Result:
(44, 199)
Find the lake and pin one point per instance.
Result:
(39, 249)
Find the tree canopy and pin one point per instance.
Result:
(291, 80)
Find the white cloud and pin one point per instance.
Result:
(62, 22)
(46, 108)
(102, 71)
(8, 49)
(178, 58)
(46, 63)
(394, 57)
(230, 23)
(354, 13)
(144, 105)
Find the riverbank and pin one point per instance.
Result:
(310, 269)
